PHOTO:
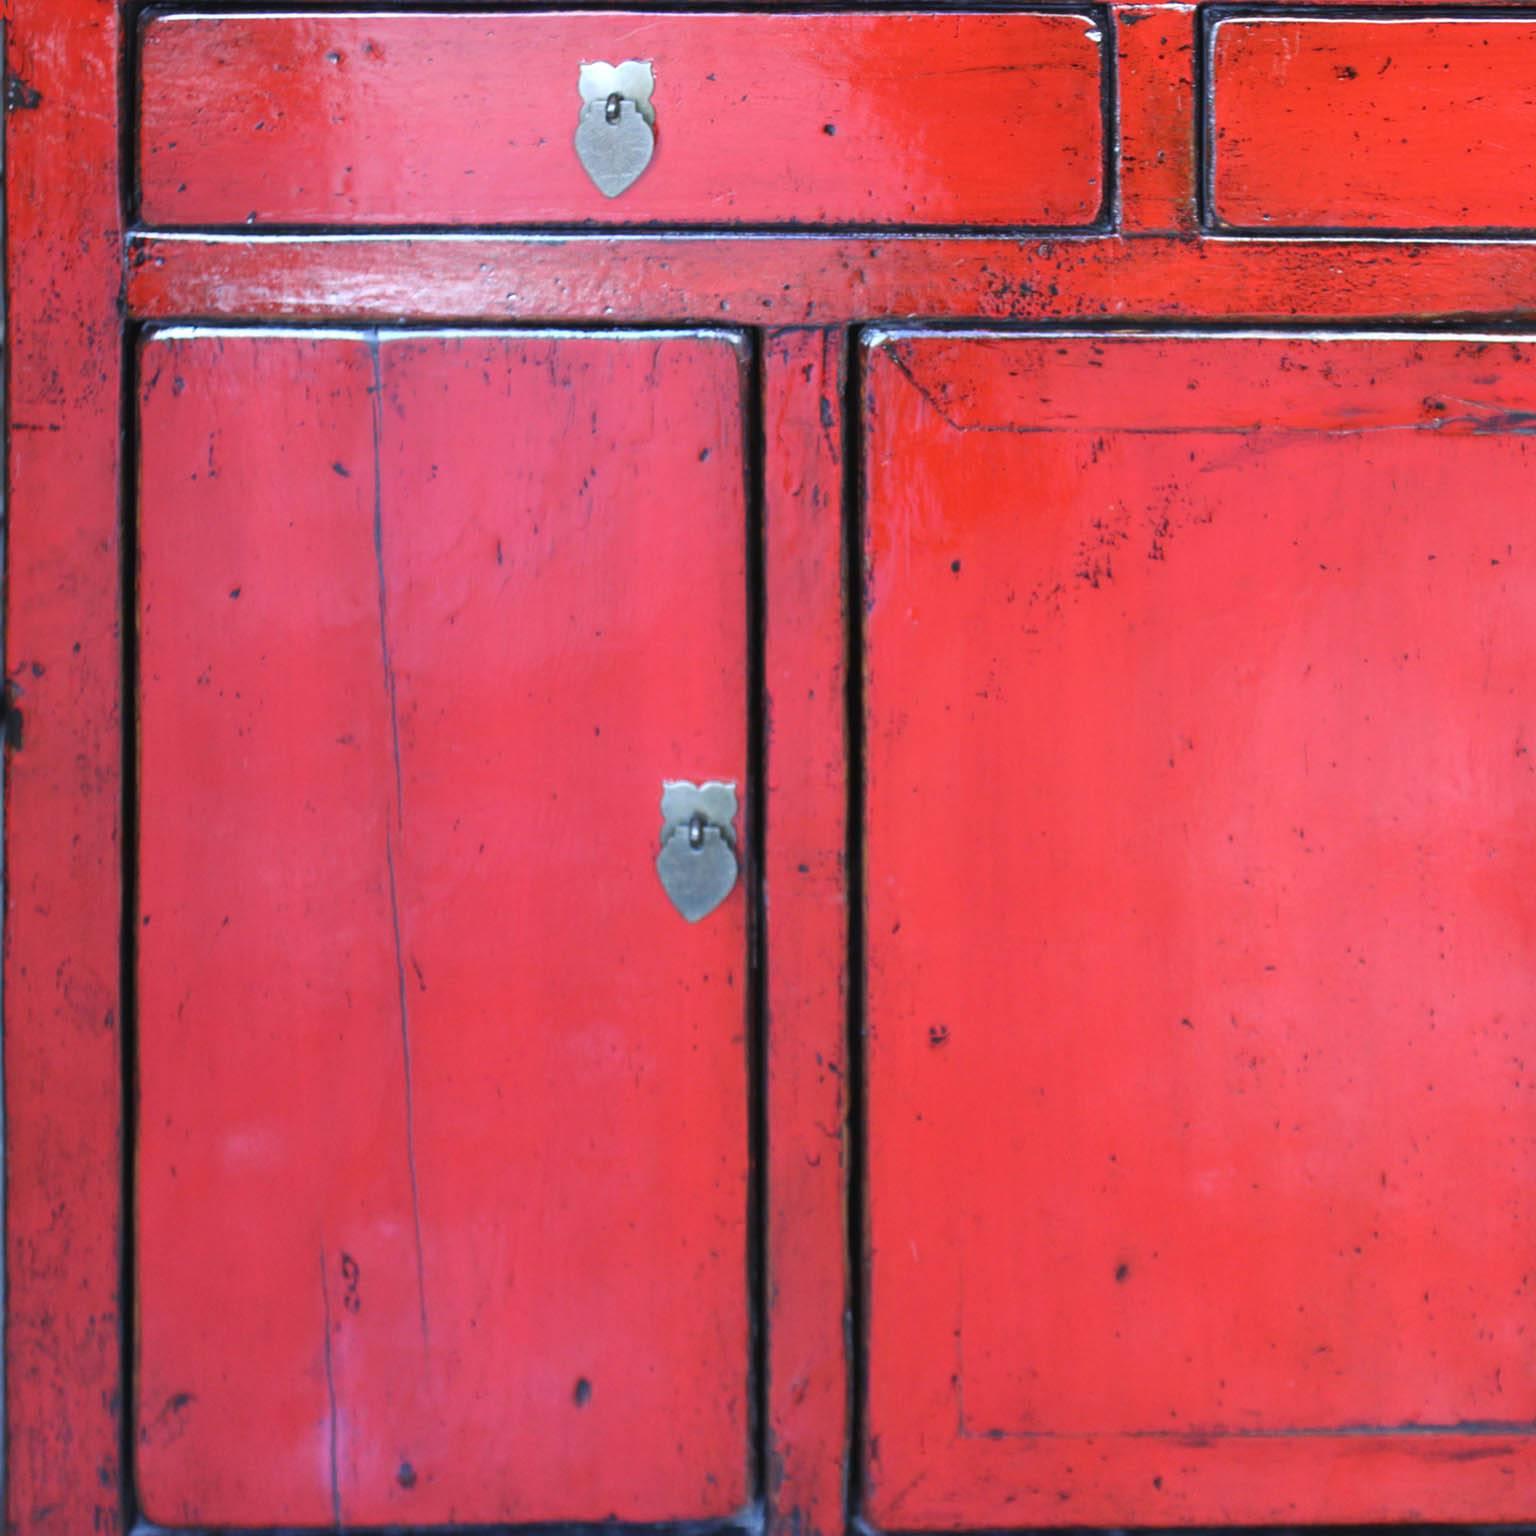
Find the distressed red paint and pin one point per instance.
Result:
(784, 280)
(806, 1083)
(1198, 676)
(425, 621)
(63, 789)
(1155, 68)
(1309, 132)
(760, 119)
(1355, 124)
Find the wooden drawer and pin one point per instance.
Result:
(1395, 123)
(883, 119)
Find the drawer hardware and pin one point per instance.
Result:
(616, 133)
(697, 862)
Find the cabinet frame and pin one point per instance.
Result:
(79, 276)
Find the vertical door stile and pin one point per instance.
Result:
(804, 380)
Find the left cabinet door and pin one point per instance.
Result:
(441, 1178)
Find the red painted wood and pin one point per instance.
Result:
(402, 1391)
(442, 1170)
(882, 118)
(788, 280)
(805, 642)
(1199, 680)
(1154, 71)
(63, 787)
(1417, 124)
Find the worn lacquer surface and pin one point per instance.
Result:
(63, 783)
(1330, 123)
(443, 1108)
(519, 1292)
(789, 280)
(883, 118)
(1199, 917)
(1156, 49)
(806, 1085)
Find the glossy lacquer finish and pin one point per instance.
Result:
(63, 771)
(806, 931)
(442, 1190)
(785, 279)
(434, 119)
(1200, 680)
(1400, 123)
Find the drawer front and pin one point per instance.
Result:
(1392, 123)
(430, 120)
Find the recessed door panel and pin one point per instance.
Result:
(442, 1190)
(1201, 905)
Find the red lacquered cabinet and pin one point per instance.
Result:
(769, 770)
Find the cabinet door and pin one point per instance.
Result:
(442, 1151)
(1201, 906)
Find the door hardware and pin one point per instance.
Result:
(616, 133)
(697, 862)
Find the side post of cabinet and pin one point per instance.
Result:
(64, 630)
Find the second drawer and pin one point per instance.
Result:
(1394, 123)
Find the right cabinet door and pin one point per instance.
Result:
(1200, 929)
